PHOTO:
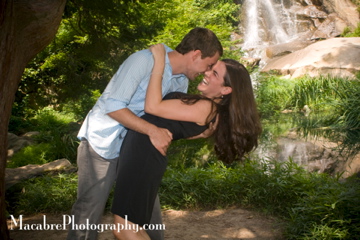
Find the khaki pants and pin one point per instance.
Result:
(96, 177)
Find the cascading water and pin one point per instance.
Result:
(266, 22)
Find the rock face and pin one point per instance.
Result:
(345, 9)
(283, 27)
(16, 143)
(323, 18)
(335, 57)
(316, 155)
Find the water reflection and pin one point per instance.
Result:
(309, 144)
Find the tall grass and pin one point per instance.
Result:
(334, 105)
(50, 194)
(349, 106)
(318, 93)
(56, 139)
(273, 94)
(313, 206)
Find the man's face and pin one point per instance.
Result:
(200, 65)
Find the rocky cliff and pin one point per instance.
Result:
(304, 22)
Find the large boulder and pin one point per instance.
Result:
(345, 9)
(282, 49)
(337, 57)
(16, 143)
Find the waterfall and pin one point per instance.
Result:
(251, 36)
(267, 22)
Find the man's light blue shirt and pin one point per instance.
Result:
(126, 89)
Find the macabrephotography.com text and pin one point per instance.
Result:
(68, 222)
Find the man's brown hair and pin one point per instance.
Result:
(201, 39)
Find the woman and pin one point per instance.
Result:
(226, 95)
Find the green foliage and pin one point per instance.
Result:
(57, 139)
(219, 16)
(196, 153)
(313, 206)
(334, 105)
(19, 125)
(51, 194)
(310, 205)
(351, 33)
(92, 41)
(273, 94)
(269, 185)
(318, 93)
(337, 96)
(329, 210)
(82, 106)
(95, 37)
(59, 129)
(33, 154)
(349, 104)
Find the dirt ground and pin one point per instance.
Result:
(190, 225)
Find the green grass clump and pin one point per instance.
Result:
(251, 184)
(50, 194)
(33, 154)
(273, 94)
(329, 210)
(56, 139)
(318, 93)
(322, 93)
(310, 204)
(352, 33)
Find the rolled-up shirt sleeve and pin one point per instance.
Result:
(127, 80)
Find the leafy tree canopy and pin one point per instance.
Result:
(96, 36)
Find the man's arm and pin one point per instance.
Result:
(125, 84)
(159, 137)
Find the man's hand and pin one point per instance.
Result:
(161, 139)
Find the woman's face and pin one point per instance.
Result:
(212, 85)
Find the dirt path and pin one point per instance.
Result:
(190, 225)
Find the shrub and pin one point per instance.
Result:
(273, 94)
(51, 194)
(33, 154)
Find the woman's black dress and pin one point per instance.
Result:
(141, 168)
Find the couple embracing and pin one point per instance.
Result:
(125, 136)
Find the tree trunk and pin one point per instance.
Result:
(26, 27)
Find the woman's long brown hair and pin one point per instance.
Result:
(239, 126)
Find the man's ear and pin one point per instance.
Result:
(226, 90)
(196, 54)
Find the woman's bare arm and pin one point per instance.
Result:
(173, 109)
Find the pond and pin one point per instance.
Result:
(293, 136)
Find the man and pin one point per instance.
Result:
(118, 109)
